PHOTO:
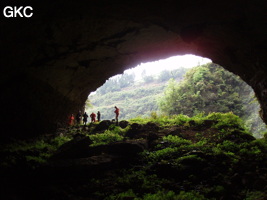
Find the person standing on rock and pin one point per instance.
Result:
(85, 116)
(98, 116)
(71, 120)
(79, 118)
(117, 112)
(93, 115)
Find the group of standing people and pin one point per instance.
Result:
(83, 117)
(93, 116)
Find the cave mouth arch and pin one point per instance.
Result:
(133, 91)
(154, 68)
(58, 58)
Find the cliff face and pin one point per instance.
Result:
(52, 61)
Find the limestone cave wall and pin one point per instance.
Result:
(53, 60)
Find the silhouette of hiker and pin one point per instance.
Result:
(71, 120)
(93, 115)
(117, 112)
(85, 116)
(98, 116)
(78, 118)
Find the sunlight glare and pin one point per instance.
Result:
(175, 62)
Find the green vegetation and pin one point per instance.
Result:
(205, 157)
(161, 195)
(114, 134)
(134, 98)
(207, 88)
(30, 153)
(209, 165)
(105, 138)
(203, 90)
(210, 88)
(222, 119)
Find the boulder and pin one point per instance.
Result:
(76, 148)
(123, 123)
(103, 125)
(128, 148)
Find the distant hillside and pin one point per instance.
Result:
(134, 98)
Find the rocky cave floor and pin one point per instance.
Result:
(149, 161)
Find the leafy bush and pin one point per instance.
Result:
(170, 195)
(163, 120)
(225, 120)
(256, 149)
(165, 153)
(121, 196)
(105, 138)
(188, 159)
(176, 141)
(255, 195)
(140, 181)
(31, 153)
(228, 146)
(139, 120)
(180, 119)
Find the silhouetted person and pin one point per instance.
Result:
(79, 117)
(85, 116)
(98, 116)
(117, 112)
(71, 120)
(93, 115)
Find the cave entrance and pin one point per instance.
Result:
(146, 90)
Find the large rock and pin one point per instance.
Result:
(123, 123)
(103, 125)
(76, 148)
(142, 130)
(75, 160)
(129, 148)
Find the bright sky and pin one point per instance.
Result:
(171, 63)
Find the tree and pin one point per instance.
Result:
(165, 75)
(209, 88)
(171, 98)
(148, 79)
(126, 80)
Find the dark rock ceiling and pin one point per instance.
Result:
(51, 62)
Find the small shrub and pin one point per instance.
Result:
(201, 142)
(153, 115)
(139, 120)
(140, 181)
(225, 120)
(105, 138)
(121, 196)
(228, 146)
(188, 159)
(170, 195)
(199, 118)
(31, 153)
(176, 141)
(165, 153)
(255, 195)
(59, 140)
(180, 119)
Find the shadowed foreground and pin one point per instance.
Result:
(211, 157)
